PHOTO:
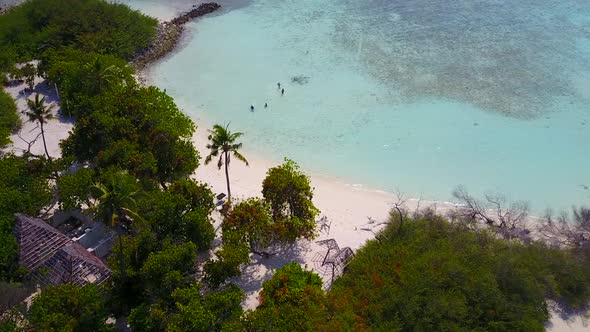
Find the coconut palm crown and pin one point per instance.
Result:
(116, 199)
(38, 112)
(223, 143)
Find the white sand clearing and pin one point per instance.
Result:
(29, 137)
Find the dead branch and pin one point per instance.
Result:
(29, 143)
(399, 206)
(417, 210)
(508, 219)
(568, 231)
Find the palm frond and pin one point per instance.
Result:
(132, 214)
(98, 190)
(240, 157)
(220, 162)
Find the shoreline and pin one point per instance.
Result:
(349, 207)
(354, 213)
(168, 35)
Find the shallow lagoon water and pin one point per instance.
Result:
(415, 96)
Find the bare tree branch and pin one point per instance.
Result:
(399, 206)
(29, 143)
(565, 231)
(508, 219)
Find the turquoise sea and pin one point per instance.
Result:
(418, 96)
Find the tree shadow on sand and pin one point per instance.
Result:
(51, 96)
(261, 269)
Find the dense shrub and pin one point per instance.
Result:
(9, 119)
(88, 25)
(22, 190)
(69, 308)
(292, 300)
(137, 129)
(431, 275)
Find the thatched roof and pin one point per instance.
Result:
(53, 258)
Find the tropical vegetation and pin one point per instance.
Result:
(433, 274)
(128, 164)
(223, 143)
(39, 113)
(9, 119)
(26, 31)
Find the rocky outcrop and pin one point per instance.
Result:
(203, 9)
(168, 35)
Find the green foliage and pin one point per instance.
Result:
(13, 321)
(166, 270)
(432, 275)
(40, 113)
(181, 213)
(226, 306)
(128, 289)
(289, 193)
(9, 269)
(27, 73)
(223, 143)
(196, 227)
(209, 313)
(250, 222)
(230, 258)
(23, 188)
(117, 197)
(192, 311)
(290, 284)
(81, 76)
(160, 257)
(148, 318)
(88, 25)
(9, 119)
(68, 308)
(198, 195)
(249, 227)
(292, 300)
(7, 61)
(74, 188)
(138, 129)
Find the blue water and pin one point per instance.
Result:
(418, 96)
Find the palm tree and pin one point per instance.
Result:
(38, 112)
(99, 75)
(223, 144)
(116, 203)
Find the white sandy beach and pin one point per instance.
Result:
(347, 207)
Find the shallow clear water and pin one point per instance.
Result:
(412, 95)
